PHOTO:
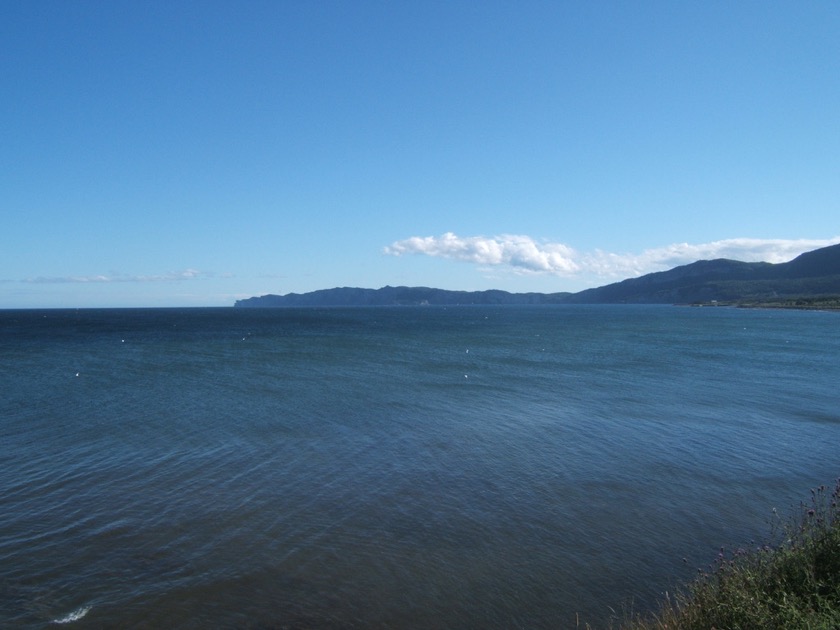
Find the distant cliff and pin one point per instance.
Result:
(400, 296)
(811, 275)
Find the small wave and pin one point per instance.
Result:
(73, 616)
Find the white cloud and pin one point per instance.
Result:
(171, 276)
(522, 254)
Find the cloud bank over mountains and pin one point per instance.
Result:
(524, 255)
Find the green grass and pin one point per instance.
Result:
(791, 584)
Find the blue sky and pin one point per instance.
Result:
(193, 153)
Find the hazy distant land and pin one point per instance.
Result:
(812, 280)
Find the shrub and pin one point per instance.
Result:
(791, 584)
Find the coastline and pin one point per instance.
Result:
(796, 304)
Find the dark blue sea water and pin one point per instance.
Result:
(472, 467)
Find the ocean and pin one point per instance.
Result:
(429, 467)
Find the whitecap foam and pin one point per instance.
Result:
(73, 616)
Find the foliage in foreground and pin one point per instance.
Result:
(795, 584)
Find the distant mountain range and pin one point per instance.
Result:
(812, 275)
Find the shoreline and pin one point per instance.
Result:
(794, 304)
